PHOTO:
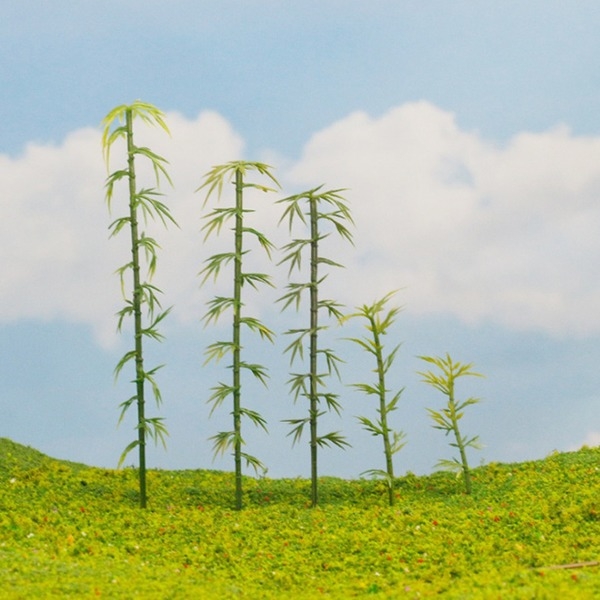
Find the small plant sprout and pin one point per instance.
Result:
(378, 320)
(118, 125)
(313, 208)
(447, 418)
(235, 173)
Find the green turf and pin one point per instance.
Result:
(67, 530)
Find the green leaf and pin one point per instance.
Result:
(256, 278)
(367, 345)
(255, 325)
(294, 295)
(158, 163)
(151, 330)
(149, 295)
(218, 350)
(149, 377)
(217, 176)
(392, 404)
(379, 474)
(298, 385)
(331, 400)
(294, 254)
(372, 428)
(450, 465)
(156, 429)
(387, 362)
(118, 224)
(216, 219)
(332, 308)
(257, 370)
(215, 263)
(262, 239)
(296, 347)
(219, 393)
(255, 417)
(326, 261)
(366, 388)
(467, 402)
(127, 450)
(124, 406)
(128, 356)
(333, 439)
(126, 311)
(218, 306)
(222, 441)
(297, 429)
(252, 461)
(331, 360)
(398, 441)
(473, 443)
(442, 421)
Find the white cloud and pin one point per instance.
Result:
(57, 259)
(54, 246)
(464, 226)
(479, 231)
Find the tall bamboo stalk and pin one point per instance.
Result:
(137, 308)
(237, 345)
(314, 347)
(143, 293)
(233, 439)
(312, 208)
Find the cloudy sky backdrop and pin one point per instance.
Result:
(468, 138)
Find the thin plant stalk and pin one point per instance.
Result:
(447, 418)
(312, 208)
(377, 325)
(314, 348)
(237, 346)
(143, 250)
(137, 309)
(214, 181)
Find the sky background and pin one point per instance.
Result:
(467, 135)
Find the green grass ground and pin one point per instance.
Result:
(68, 530)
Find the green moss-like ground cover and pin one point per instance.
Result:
(67, 530)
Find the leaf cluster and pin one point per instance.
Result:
(448, 417)
(114, 132)
(338, 214)
(215, 179)
(450, 371)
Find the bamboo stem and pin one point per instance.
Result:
(314, 323)
(237, 308)
(137, 310)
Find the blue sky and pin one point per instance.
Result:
(467, 134)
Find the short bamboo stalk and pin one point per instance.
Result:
(377, 324)
(447, 418)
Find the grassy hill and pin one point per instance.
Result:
(16, 457)
(530, 530)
